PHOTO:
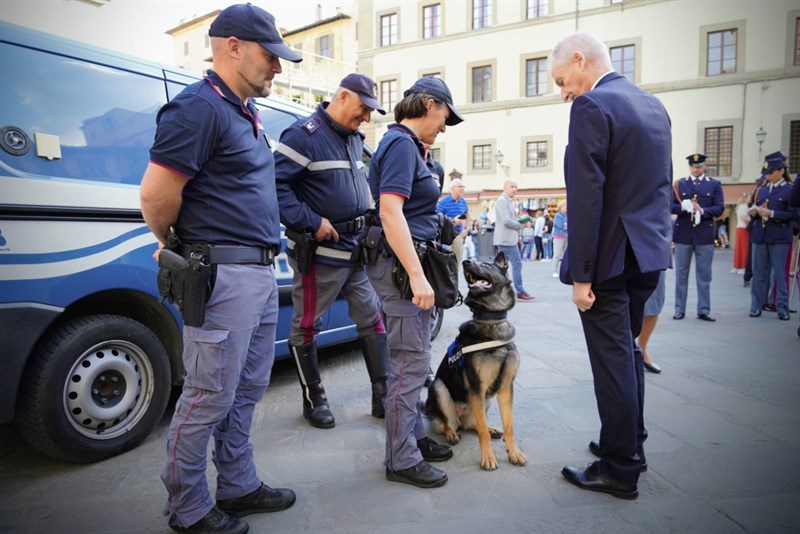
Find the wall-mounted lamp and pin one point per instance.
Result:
(761, 136)
(498, 157)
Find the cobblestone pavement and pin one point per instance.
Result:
(723, 452)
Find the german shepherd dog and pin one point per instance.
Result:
(481, 363)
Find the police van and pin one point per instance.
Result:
(88, 353)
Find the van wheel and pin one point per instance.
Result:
(437, 315)
(95, 388)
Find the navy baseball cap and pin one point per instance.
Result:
(250, 23)
(365, 88)
(697, 160)
(436, 87)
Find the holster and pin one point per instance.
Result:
(369, 245)
(305, 248)
(187, 283)
(400, 276)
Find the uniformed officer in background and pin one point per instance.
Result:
(212, 176)
(698, 200)
(323, 195)
(771, 236)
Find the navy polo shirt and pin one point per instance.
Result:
(208, 135)
(397, 168)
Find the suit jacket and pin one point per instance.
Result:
(618, 168)
(708, 192)
(506, 225)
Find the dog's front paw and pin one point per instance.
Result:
(495, 433)
(517, 457)
(452, 436)
(488, 461)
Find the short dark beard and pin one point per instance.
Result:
(257, 90)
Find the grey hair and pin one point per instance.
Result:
(594, 49)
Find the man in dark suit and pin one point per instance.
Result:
(618, 172)
(698, 200)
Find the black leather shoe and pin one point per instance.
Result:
(706, 317)
(756, 313)
(652, 367)
(593, 478)
(214, 521)
(320, 416)
(260, 501)
(678, 316)
(783, 316)
(421, 475)
(594, 447)
(432, 451)
(770, 307)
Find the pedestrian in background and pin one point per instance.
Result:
(742, 237)
(619, 243)
(323, 195)
(559, 236)
(506, 236)
(212, 176)
(406, 196)
(454, 206)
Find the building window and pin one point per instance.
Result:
(482, 157)
(721, 52)
(623, 60)
(325, 47)
(432, 75)
(388, 95)
(481, 13)
(797, 41)
(431, 21)
(186, 48)
(794, 147)
(389, 29)
(536, 9)
(536, 154)
(436, 154)
(719, 149)
(482, 84)
(536, 77)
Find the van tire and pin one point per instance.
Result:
(95, 387)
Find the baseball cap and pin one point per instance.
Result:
(250, 23)
(365, 88)
(436, 87)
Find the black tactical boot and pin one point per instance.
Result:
(376, 356)
(315, 403)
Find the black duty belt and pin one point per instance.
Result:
(348, 227)
(231, 253)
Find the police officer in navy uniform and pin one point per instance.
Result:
(771, 236)
(322, 189)
(211, 176)
(697, 201)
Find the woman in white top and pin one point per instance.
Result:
(742, 243)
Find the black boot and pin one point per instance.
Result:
(376, 356)
(315, 403)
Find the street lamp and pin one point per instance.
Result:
(761, 135)
(498, 157)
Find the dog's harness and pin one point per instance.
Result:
(456, 351)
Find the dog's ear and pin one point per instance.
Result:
(501, 261)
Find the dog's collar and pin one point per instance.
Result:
(489, 316)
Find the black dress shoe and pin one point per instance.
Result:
(260, 501)
(421, 475)
(432, 451)
(783, 316)
(770, 307)
(706, 317)
(594, 447)
(756, 313)
(678, 316)
(214, 521)
(652, 367)
(593, 478)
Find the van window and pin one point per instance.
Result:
(104, 117)
(274, 121)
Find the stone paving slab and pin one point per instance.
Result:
(723, 451)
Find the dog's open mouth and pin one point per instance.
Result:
(473, 280)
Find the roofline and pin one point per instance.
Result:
(338, 16)
(194, 21)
